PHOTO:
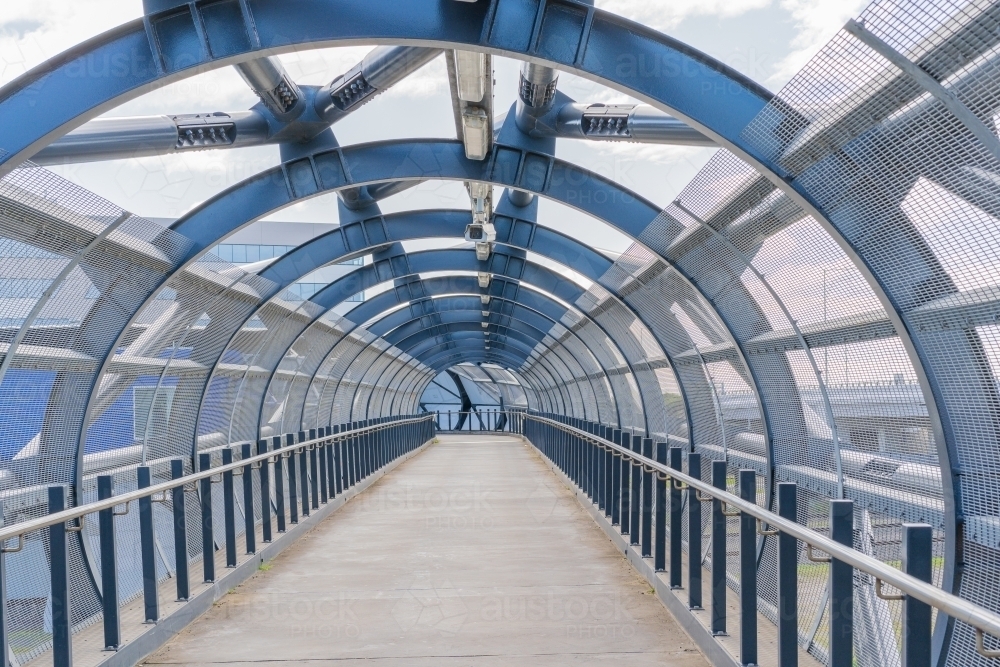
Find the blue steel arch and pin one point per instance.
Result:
(435, 260)
(721, 108)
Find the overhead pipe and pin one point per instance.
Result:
(279, 118)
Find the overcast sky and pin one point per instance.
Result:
(766, 39)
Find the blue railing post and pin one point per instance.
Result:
(313, 471)
(265, 493)
(229, 508)
(788, 580)
(207, 528)
(719, 550)
(304, 475)
(624, 489)
(616, 481)
(4, 635)
(917, 555)
(647, 501)
(324, 469)
(748, 571)
(147, 548)
(609, 478)
(660, 557)
(279, 483)
(635, 490)
(338, 464)
(842, 587)
(694, 534)
(180, 532)
(249, 515)
(109, 568)
(62, 640)
(293, 498)
(676, 522)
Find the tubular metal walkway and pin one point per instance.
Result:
(445, 561)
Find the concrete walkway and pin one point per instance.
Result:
(470, 554)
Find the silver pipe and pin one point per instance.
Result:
(382, 68)
(952, 605)
(140, 136)
(624, 122)
(269, 80)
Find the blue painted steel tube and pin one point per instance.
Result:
(229, 508)
(616, 481)
(249, 515)
(293, 498)
(719, 550)
(676, 522)
(181, 569)
(109, 568)
(660, 549)
(314, 470)
(748, 571)
(304, 475)
(788, 581)
(635, 491)
(917, 555)
(842, 587)
(4, 635)
(62, 640)
(279, 484)
(646, 523)
(694, 535)
(207, 528)
(324, 471)
(147, 548)
(265, 494)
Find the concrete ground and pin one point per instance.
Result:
(470, 554)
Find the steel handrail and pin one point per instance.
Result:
(23, 528)
(958, 608)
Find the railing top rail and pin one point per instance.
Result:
(24, 527)
(952, 605)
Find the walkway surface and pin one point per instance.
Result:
(471, 553)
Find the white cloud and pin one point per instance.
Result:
(664, 15)
(816, 22)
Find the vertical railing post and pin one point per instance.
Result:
(4, 625)
(917, 555)
(293, 498)
(694, 534)
(249, 515)
(635, 489)
(180, 532)
(616, 482)
(325, 469)
(748, 571)
(207, 527)
(719, 552)
(788, 580)
(660, 555)
(265, 493)
(841, 587)
(62, 640)
(609, 478)
(109, 569)
(229, 508)
(304, 474)
(647, 501)
(338, 464)
(676, 522)
(314, 470)
(625, 490)
(147, 548)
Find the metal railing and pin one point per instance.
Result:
(330, 462)
(484, 420)
(594, 462)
